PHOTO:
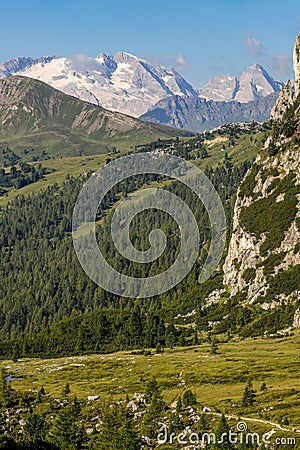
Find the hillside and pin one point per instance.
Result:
(62, 287)
(201, 380)
(240, 142)
(38, 122)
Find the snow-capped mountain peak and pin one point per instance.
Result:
(254, 83)
(125, 57)
(221, 88)
(124, 82)
(132, 85)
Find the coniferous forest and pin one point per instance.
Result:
(49, 307)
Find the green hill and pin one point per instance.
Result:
(37, 122)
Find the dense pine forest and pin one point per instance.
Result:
(50, 307)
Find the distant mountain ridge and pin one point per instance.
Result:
(122, 83)
(131, 85)
(199, 114)
(16, 65)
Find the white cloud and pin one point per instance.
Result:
(178, 61)
(253, 46)
(82, 63)
(281, 65)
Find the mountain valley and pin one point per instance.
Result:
(84, 368)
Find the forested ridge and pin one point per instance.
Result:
(48, 304)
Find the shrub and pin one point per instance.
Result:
(297, 248)
(273, 218)
(286, 281)
(273, 260)
(249, 183)
(249, 274)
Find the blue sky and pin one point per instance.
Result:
(200, 38)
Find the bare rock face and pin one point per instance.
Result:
(297, 64)
(296, 323)
(284, 100)
(244, 248)
(287, 96)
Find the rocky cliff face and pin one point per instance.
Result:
(297, 64)
(285, 99)
(263, 261)
(264, 248)
(288, 95)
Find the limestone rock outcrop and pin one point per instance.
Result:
(287, 95)
(284, 100)
(297, 64)
(296, 323)
(244, 251)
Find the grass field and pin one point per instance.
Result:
(58, 169)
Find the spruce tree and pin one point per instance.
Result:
(189, 398)
(118, 430)
(222, 435)
(35, 429)
(153, 415)
(5, 390)
(249, 395)
(67, 431)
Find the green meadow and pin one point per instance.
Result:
(217, 379)
(245, 148)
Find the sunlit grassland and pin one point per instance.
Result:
(58, 169)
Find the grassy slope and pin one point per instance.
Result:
(36, 117)
(219, 380)
(59, 168)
